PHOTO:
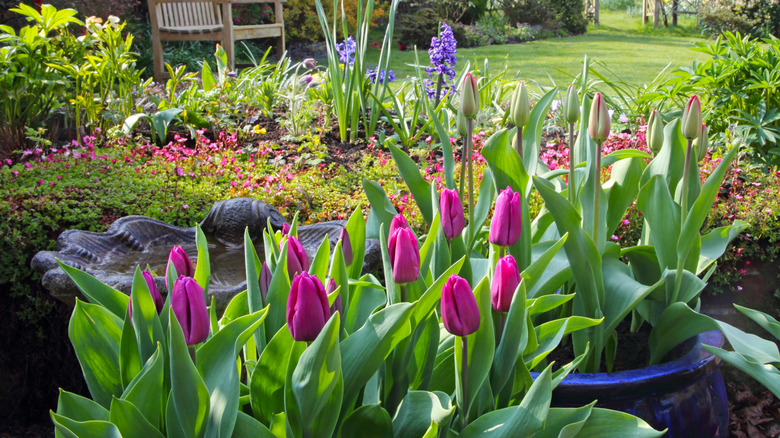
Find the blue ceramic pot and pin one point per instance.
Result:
(687, 396)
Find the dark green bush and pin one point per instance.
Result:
(417, 28)
(568, 15)
(571, 15)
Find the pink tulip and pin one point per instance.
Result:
(404, 256)
(158, 300)
(505, 281)
(507, 223)
(346, 246)
(265, 280)
(180, 262)
(459, 311)
(452, 216)
(297, 259)
(189, 305)
(399, 221)
(307, 307)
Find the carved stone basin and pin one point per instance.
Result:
(140, 241)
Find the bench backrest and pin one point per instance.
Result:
(189, 14)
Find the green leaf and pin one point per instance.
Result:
(254, 296)
(131, 422)
(418, 410)
(513, 340)
(419, 188)
(189, 395)
(613, 424)
(317, 373)
(369, 421)
(95, 334)
(481, 344)
(207, 77)
(546, 271)
(662, 214)
(714, 244)
(446, 149)
(144, 391)
(148, 330)
(365, 299)
(380, 203)
(161, 120)
(363, 352)
(266, 386)
(216, 361)
(767, 322)
(623, 291)
(203, 265)
(80, 408)
(77, 429)
(420, 367)
(623, 187)
(129, 358)
(767, 375)
(356, 227)
(246, 426)
(278, 291)
(533, 133)
(97, 292)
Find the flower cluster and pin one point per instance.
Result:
(385, 76)
(443, 54)
(346, 50)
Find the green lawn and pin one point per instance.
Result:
(635, 54)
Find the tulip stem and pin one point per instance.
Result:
(501, 324)
(306, 433)
(464, 382)
(597, 195)
(403, 293)
(683, 216)
(191, 350)
(519, 142)
(470, 128)
(463, 155)
(571, 165)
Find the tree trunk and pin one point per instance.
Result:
(596, 12)
(675, 5)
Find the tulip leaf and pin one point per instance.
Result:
(644, 264)
(369, 421)
(203, 264)
(679, 322)
(623, 291)
(768, 375)
(131, 422)
(391, 289)
(669, 162)
(247, 426)
(365, 300)
(417, 185)
(419, 369)
(356, 227)
(623, 187)
(363, 352)
(338, 272)
(95, 333)
(144, 391)
(608, 423)
(446, 148)
(278, 291)
(380, 204)
(443, 371)
(77, 429)
(98, 292)
(189, 394)
(317, 374)
(526, 419)
(266, 385)
(714, 244)
(144, 315)
(513, 340)
(254, 297)
(548, 270)
(766, 322)
(533, 133)
(546, 303)
(429, 245)
(80, 408)
(217, 364)
(484, 204)
(129, 358)
(481, 345)
(565, 422)
(419, 410)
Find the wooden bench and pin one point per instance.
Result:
(207, 20)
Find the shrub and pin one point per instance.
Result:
(302, 25)
(533, 12)
(716, 19)
(571, 15)
(418, 28)
(470, 36)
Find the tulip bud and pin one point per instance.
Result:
(297, 259)
(571, 105)
(469, 98)
(520, 109)
(158, 300)
(309, 63)
(180, 262)
(655, 132)
(189, 306)
(307, 307)
(346, 246)
(461, 124)
(285, 229)
(399, 221)
(691, 119)
(452, 217)
(336, 307)
(459, 311)
(505, 281)
(598, 125)
(265, 280)
(702, 143)
(507, 222)
(404, 256)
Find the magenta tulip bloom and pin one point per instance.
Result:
(598, 125)
(179, 260)
(399, 221)
(265, 280)
(189, 306)
(459, 311)
(507, 222)
(346, 246)
(332, 286)
(297, 259)
(307, 307)
(286, 229)
(158, 299)
(404, 256)
(505, 281)
(452, 218)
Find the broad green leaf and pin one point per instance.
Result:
(369, 421)
(714, 244)
(767, 322)
(662, 215)
(513, 340)
(131, 422)
(546, 303)
(623, 291)
(481, 345)
(547, 270)
(418, 187)
(533, 133)
(420, 366)
(80, 408)
(144, 391)
(97, 292)
(338, 272)
(613, 424)
(767, 374)
(418, 410)
(95, 334)
(278, 291)
(669, 162)
(380, 204)
(266, 386)
(207, 77)
(189, 395)
(356, 227)
(623, 187)
(365, 299)
(203, 265)
(644, 263)
(77, 429)
(565, 422)
(129, 358)
(144, 317)
(254, 297)
(246, 426)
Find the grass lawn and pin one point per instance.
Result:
(635, 54)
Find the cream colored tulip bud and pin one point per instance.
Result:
(571, 105)
(655, 132)
(520, 110)
(691, 119)
(598, 125)
(469, 98)
(702, 143)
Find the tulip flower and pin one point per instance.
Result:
(655, 132)
(598, 124)
(399, 221)
(469, 100)
(180, 262)
(336, 307)
(307, 307)
(691, 119)
(452, 217)
(297, 259)
(505, 281)
(158, 299)
(404, 256)
(285, 229)
(189, 305)
(346, 246)
(571, 105)
(459, 311)
(507, 222)
(520, 109)
(265, 280)
(702, 143)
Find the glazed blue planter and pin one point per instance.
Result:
(687, 396)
